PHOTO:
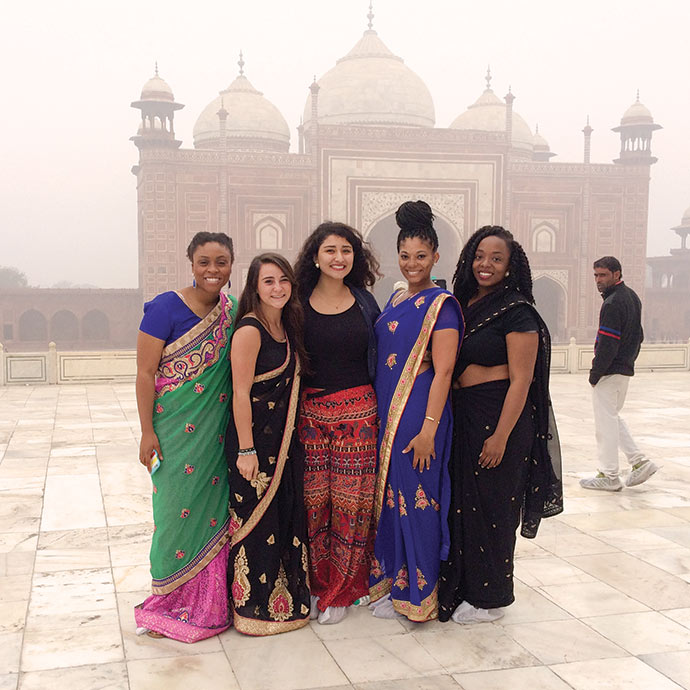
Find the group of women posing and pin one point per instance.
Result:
(360, 457)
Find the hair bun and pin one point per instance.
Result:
(412, 215)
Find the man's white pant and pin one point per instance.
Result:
(611, 431)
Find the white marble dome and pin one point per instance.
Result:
(637, 114)
(371, 86)
(488, 114)
(253, 122)
(539, 143)
(157, 89)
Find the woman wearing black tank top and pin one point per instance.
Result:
(338, 425)
(268, 554)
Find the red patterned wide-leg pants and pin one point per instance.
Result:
(339, 434)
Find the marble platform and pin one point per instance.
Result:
(603, 593)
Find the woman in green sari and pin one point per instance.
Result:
(183, 389)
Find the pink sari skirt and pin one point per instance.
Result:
(193, 611)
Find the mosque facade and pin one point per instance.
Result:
(367, 141)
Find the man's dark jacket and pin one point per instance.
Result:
(619, 335)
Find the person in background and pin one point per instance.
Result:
(337, 424)
(268, 556)
(506, 457)
(617, 346)
(417, 339)
(182, 387)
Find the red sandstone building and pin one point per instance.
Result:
(368, 140)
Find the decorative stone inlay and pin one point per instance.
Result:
(376, 205)
(560, 275)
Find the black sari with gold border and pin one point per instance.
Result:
(268, 566)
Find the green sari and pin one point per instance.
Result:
(190, 489)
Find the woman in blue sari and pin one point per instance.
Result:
(417, 341)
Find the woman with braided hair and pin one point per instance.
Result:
(505, 466)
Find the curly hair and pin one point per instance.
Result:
(519, 278)
(202, 238)
(292, 316)
(365, 267)
(415, 219)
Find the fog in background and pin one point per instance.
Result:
(71, 69)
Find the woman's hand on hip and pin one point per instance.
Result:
(492, 452)
(248, 465)
(149, 443)
(422, 445)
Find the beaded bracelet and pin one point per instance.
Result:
(247, 451)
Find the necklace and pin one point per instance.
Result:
(335, 307)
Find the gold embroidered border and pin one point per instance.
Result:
(276, 372)
(426, 611)
(380, 589)
(261, 508)
(195, 331)
(252, 626)
(400, 397)
(213, 552)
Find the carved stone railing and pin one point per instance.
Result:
(119, 366)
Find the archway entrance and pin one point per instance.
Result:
(549, 297)
(382, 237)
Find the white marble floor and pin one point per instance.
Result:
(603, 593)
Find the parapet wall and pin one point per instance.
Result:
(57, 367)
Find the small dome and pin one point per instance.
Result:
(637, 114)
(157, 89)
(371, 86)
(538, 141)
(253, 122)
(686, 218)
(488, 114)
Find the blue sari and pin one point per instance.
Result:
(410, 506)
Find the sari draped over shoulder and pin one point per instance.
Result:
(489, 505)
(189, 549)
(269, 557)
(411, 507)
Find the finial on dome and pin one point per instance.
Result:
(488, 77)
(587, 120)
(156, 71)
(638, 96)
(536, 128)
(370, 15)
(240, 62)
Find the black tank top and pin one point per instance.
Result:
(337, 345)
(272, 353)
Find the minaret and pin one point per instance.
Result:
(509, 98)
(157, 105)
(636, 127)
(587, 131)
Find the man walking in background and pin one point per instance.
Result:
(615, 350)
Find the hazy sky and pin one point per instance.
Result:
(70, 70)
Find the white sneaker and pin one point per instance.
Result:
(375, 604)
(314, 609)
(466, 614)
(600, 482)
(641, 472)
(362, 601)
(332, 615)
(386, 610)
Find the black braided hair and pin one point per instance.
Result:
(520, 278)
(415, 219)
(202, 238)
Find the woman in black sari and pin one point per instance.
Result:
(268, 568)
(505, 466)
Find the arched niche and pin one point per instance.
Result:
(550, 300)
(64, 327)
(95, 325)
(33, 326)
(544, 239)
(382, 238)
(269, 234)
